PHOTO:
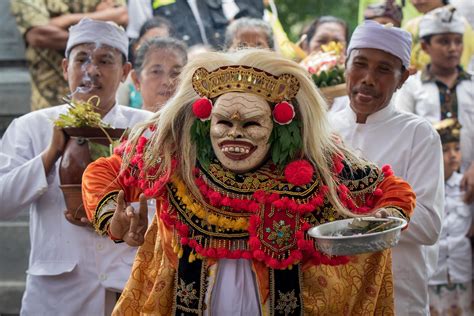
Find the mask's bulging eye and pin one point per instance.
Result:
(251, 123)
(226, 123)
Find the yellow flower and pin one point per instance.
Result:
(332, 47)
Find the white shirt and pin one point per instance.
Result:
(70, 267)
(454, 247)
(232, 289)
(422, 98)
(339, 104)
(413, 148)
(139, 11)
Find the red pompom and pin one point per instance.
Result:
(222, 252)
(211, 253)
(254, 243)
(253, 207)
(202, 108)
(246, 255)
(259, 255)
(283, 113)
(260, 195)
(226, 201)
(273, 263)
(378, 192)
(305, 226)
(387, 170)
(296, 255)
(299, 172)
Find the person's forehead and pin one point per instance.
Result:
(159, 31)
(164, 56)
(250, 32)
(330, 27)
(376, 55)
(95, 48)
(447, 35)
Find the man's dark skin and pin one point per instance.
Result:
(90, 71)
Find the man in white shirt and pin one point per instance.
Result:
(376, 66)
(72, 270)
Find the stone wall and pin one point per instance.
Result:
(14, 77)
(14, 101)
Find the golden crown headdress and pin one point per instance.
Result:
(449, 130)
(240, 78)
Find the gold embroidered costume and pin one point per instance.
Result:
(242, 173)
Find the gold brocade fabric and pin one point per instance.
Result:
(150, 288)
(362, 287)
(48, 85)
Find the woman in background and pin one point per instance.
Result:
(152, 28)
(322, 31)
(157, 65)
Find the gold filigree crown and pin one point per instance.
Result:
(245, 79)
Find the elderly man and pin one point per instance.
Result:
(72, 270)
(376, 66)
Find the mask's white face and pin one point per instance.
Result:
(241, 124)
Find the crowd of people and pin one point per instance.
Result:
(223, 116)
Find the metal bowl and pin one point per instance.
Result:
(329, 242)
